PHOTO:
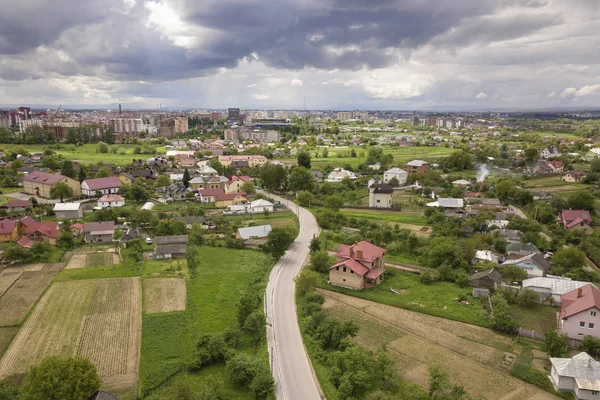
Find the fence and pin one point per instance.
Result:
(572, 343)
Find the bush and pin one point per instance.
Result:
(462, 279)
(537, 378)
(210, 349)
(528, 298)
(591, 345)
(242, 369)
(427, 278)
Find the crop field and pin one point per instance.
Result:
(163, 295)
(104, 256)
(86, 154)
(99, 259)
(415, 342)
(6, 334)
(18, 299)
(7, 278)
(98, 319)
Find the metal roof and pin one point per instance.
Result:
(582, 367)
(67, 206)
(260, 231)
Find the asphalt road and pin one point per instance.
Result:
(290, 365)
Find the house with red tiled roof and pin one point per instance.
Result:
(576, 219)
(17, 205)
(222, 199)
(109, 185)
(574, 176)
(580, 312)
(8, 230)
(556, 166)
(39, 231)
(358, 266)
(40, 183)
(235, 183)
(76, 229)
(25, 242)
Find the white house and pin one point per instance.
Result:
(68, 210)
(255, 207)
(580, 312)
(109, 185)
(579, 375)
(550, 152)
(380, 195)
(111, 200)
(550, 285)
(447, 203)
(338, 174)
(398, 173)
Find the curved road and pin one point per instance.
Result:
(290, 366)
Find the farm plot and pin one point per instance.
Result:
(163, 295)
(416, 342)
(7, 278)
(92, 257)
(98, 319)
(6, 334)
(18, 299)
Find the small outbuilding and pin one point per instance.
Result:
(68, 210)
(489, 279)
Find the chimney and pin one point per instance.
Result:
(351, 251)
(579, 292)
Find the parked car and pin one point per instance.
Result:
(148, 240)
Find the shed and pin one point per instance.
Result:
(490, 279)
(68, 210)
(173, 246)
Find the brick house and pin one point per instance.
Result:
(574, 176)
(358, 266)
(576, 219)
(40, 183)
(8, 230)
(417, 167)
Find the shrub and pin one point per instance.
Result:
(528, 298)
(427, 278)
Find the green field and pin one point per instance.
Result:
(437, 299)
(406, 217)
(168, 340)
(539, 318)
(86, 154)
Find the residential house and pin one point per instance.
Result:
(99, 232)
(129, 235)
(380, 195)
(528, 258)
(76, 229)
(358, 266)
(125, 179)
(338, 174)
(550, 152)
(461, 183)
(8, 230)
(25, 242)
(235, 183)
(17, 205)
(252, 160)
(398, 173)
(511, 236)
(39, 231)
(556, 166)
(447, 203)
(540, 194)
(254, 236)
(574, 176)
(317, 176)
(147, 174)
(541, 168)
(170, 246)
(576, 219)
(111, 200)
(485, 256)
(40, 183)
(254, 207)
(579, 312)
(489, 279)
(552, 286)
(109, 185)
(220, 198)
(68, 210)
(417, 167)
(579, 375)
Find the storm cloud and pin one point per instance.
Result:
(374, 53)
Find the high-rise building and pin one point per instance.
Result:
(234, 116)
(181, 124)
(215, 116)
(127, 125)
(167, 128)
(4, 119)
(344, 115)
(26, 123)
(25, 112)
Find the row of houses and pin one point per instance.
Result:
(39, 183)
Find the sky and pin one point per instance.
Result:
(283, 54)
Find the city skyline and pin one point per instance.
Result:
(387, 55)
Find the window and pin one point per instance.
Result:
(351, 271)
(591, 325)
(344, 269)
(337, 268)
(593, 313)
(582, 324)
(378, 200)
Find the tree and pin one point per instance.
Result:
(315, 244)
(66, 169)
(438, 381)
(82, 176)
(301, 179)
(502, 320)
(458, 161)
(305, 198)
(512, 273)
(50, 162)
(531, 154)
(254, 325)
(591, 345)
(278, 242)
(394, 182)
(567, 260)
(334, 202)
(274, 177)
(581, 200)
(8, 391)
(102, 148)
(243, 368)
(61, 378)
(66, 239)
(61, 190)
(262, 384)
(103, 172)
(162, 180)
(556, 344)
(192, 257)
(320, 261)
(528, 298)
(248, 188)
(304, 159)
(186, 178)
(595, 166)
(15, 253)
(306, 282)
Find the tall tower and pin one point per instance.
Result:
(119, 110)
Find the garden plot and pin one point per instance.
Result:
(163, 295)
(99, 319)
(94, 257)
(20, 296)
(7, 278)
(6, 334)
(416, 341)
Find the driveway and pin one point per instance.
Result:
(290, 365)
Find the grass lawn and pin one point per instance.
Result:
(86, 154)
(539, 318)
(554, 183)
(168, 340)
(407, 217)
(165, 268)
(437, 299)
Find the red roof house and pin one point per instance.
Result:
(580, 312)
(576, 219)
(8, 230)
(25, 242)
(109, 185)
(358, 266)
